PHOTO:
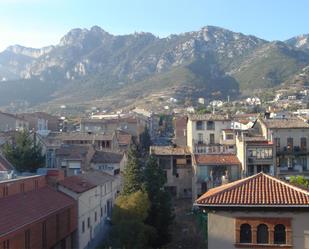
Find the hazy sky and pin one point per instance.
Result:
(39, 23)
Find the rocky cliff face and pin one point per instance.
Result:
(211, 60)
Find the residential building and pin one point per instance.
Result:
(132, 125)
(74, 159)
(34, 215)
(123, 140)
(108, 162)
(212, 170)
(41, 121)
(260, 211)
(176, 163)
(6, 169)
(255, 153)
(54, 140)
(204, 133)
(150, 119)
(180, 130)
(11, 122)
(290, 137)
(95, 193)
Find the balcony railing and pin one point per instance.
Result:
(296, 150)
(201, 148)
(291, 169)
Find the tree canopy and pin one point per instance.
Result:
(160, 213)
(24, 154)
(300, 181)
(132, 172)
(129, 230)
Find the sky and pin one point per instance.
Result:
(37, 23)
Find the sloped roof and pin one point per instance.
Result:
(24, 208)
(285, 123)
(106, 157)
(169, 150)
(217, 159)
(260, 190)
(86, 181)
(210, 117)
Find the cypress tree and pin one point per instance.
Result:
(160, 213)
(132, 172)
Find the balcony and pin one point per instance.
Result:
(292, 170)
(202, 148)
(296, 150)
(255, 160)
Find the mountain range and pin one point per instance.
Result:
(94, 66)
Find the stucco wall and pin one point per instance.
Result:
(221, 227)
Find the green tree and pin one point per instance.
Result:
(300, 181)
(160, 213)
(24, 154)
(132, 172)
(145, 140)
(129, 230)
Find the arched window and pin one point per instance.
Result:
(279, 234)
(245, 233)
(262, 234)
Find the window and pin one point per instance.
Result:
(36, 184)
(210, 125)
(22, 187)
(303, 143)
(212, 138)
(88, 222)
(277, 142)
(290, 143)
(200, 137)
(279, 234)
(199, 125)
(6, 244)
(262, 234)
(83, 226)
(57, 226)
(69, 220)
(44, 238)
(27, 239)
(229, 136)
(255, 231)
(101, 211)
(5, 191)
(95, 216)
(245, 233)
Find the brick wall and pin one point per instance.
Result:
(20, 185)
(55, 233)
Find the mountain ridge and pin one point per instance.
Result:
(212, 60)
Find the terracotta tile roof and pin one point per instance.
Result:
(106, 157)
(21, 209)
(169, 150)
(69, 136)
(213, 117)
(72, 151)
(76, 184)
(124, 139)
(84, 182)
(5, 165)
(285, 123)
(216, 159)
(257, 190)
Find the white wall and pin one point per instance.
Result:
(89, 203)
